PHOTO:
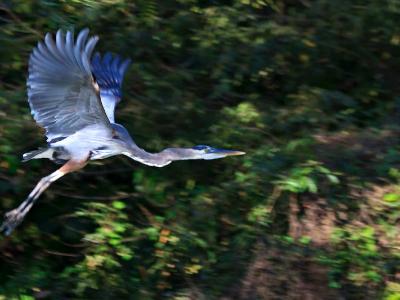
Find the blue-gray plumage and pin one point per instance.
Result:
(109, 73)
(73, 96)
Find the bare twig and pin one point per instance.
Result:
(98, 198)
(62, 253)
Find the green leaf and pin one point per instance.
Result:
(114, 242)
(312, 187)
(391, 197)
(332, 178)
(305, 240)
(118, 205)
(152, 233)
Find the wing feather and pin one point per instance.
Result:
(109, 73)
(61, 93)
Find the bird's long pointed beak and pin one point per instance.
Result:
(234, 153)
(229, 152)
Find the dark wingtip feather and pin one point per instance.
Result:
(107, 58)
(124, 66)
(96, 60)
(109, 70)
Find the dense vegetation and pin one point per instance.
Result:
(309, 89)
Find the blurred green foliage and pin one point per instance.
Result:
(309, 89)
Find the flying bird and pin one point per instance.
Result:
(73, 94)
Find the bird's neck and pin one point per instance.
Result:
(162, 158)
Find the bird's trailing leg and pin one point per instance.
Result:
(14, 217)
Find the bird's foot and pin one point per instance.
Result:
(11, 220)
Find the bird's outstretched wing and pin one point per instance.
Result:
(61, 91)
(109, 73)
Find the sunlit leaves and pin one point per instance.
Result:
(245, 113)
(361, 250)
(118, 205)
(259, 214)
(304, 178)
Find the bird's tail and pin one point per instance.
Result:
(39, 153)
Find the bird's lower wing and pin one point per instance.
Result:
(109, 73)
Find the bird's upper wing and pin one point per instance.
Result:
(109, 73)
(61, 91)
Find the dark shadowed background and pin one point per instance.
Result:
(309, 89)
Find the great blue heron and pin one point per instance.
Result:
(73, 96)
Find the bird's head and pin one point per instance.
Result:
(208, 153)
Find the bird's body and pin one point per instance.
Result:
(73, 96)
(92, 142)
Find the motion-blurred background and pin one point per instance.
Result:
(309, 89)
